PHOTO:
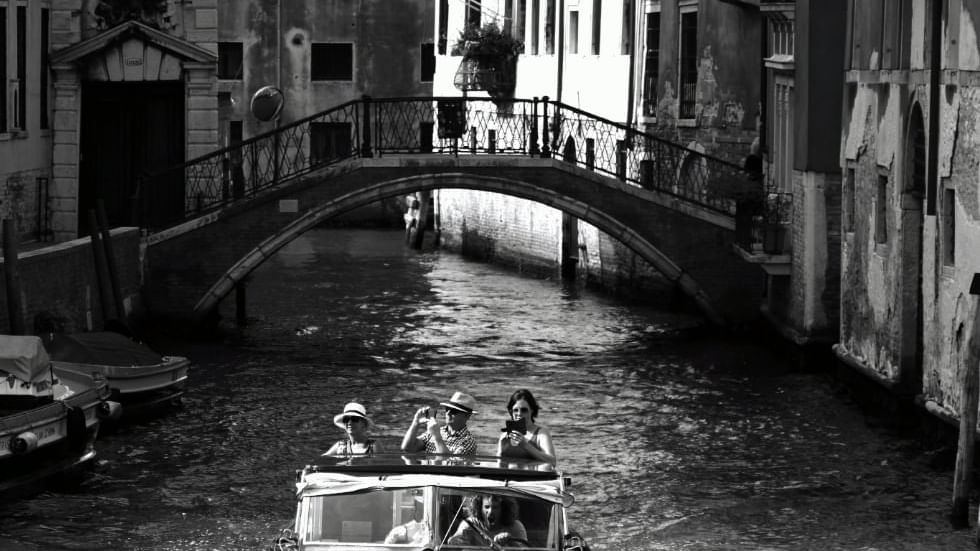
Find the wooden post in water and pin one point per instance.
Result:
(959, 516)
(101, 277)
(241, 317)
(11, 274)
(110, 257)
(422, 221)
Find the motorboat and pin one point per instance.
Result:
(48, 423)
(138, 377)
(429, 502)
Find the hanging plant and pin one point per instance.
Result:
(488, 41)
(489, 59)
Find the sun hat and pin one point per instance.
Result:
(352, 409)
(461, 402)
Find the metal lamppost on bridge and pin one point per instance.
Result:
(266, 105)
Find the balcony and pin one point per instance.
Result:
(763, 231)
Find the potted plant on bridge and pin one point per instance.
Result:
(489, 60)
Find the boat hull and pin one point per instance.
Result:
(139, 386)
(52, 440)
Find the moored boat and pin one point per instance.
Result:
(138, 377)
(430, 502)
(48, 424)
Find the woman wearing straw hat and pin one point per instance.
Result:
(355, 422)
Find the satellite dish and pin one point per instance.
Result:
(266, 103)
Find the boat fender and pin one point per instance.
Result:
(77, 437)
(109, 410)
(23, 443)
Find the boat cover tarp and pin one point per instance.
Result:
(100, 348)
(24, 357)
(321, 484)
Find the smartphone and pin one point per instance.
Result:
(516, 426)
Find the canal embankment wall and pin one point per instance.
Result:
(59, 285)
(530, 238)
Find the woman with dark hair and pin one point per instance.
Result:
(490, 520)
(535, 441)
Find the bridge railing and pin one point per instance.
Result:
(435, 125)
(646, 160)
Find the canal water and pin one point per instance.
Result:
(674, 441)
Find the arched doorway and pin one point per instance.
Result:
(913, 193)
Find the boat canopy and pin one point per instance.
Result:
(100, 348)
(24, 357)
(321, 484)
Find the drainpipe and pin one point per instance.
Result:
(561, 50)
(935, 56)
(632, 73)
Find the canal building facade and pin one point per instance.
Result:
(793, 228)
(99, 92)
(910, 196)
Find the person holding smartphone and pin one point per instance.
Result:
(452, 438)
(523, 437)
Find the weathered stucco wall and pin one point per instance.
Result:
(875, 295)
(386, 35)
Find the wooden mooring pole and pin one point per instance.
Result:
(101, 271)
(110, 258)
(960, 514)
(11, 274)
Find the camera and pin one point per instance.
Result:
(516, 426)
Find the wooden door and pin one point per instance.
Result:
(129, 129)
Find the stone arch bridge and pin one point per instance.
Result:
(672, 206)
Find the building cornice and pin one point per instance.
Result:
(169, 43)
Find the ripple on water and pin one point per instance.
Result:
(674, 440)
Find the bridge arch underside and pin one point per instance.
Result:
(695, 254)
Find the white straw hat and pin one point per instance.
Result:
(461, 402)
(352, 409)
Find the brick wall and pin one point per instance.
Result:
(60, 280)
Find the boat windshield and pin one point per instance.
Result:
(413, 518)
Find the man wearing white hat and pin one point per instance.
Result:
(452, 438)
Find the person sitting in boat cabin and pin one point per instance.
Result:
(535, 441)
(355, 422)
(415, 530)
(452, 438)
(490, 520)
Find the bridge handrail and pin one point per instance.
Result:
(641, 134)
(436, 124)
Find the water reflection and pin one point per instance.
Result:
(673, 441)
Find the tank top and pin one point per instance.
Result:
(516, 451)
(348, 449)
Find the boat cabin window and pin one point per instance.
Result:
(367, 517)
(538, 517)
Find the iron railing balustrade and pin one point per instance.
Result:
(437, 125)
